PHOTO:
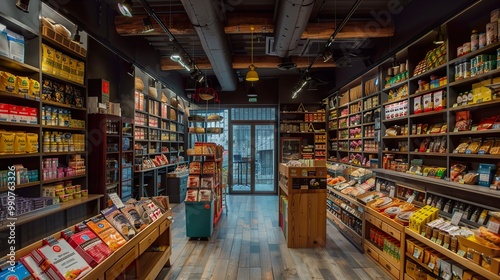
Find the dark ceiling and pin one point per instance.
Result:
(216, 35)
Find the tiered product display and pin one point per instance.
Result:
(104, 246)
(302, 208)
(306, 124)
(204, 189)
(112, 143)
(43, 124)
(158, 136)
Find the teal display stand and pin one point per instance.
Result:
(199, 219)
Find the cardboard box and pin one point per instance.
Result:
(439, 100)
(428, 102)
(56, 70)
(495, 265)
(16, 46)
(61, 261)
(33, 268)
(417, 105)
(410, 268)
(102, 228)
(489, 252)
(4, 112)
(4, 42)
(13, 113)
(23, 114)
(480, 93)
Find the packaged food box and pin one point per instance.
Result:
(439, 100)
(4, 43)
(428, 102)
(4, 112)
(16, 46)
(90, 247)
(133, 217)
(19, 271)
(417, 105)
(33, 268)
(60, 261)
(119, 221)
(47, 59)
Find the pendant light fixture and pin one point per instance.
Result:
(252, 75)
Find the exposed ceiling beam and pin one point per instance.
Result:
(242, 62)
(239, 23)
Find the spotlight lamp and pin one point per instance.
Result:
(179, 59)
(23, 5)
(76, 37)
(148, 27)
(252, 92)
(327, 55)
(439, 38)
(125, 7)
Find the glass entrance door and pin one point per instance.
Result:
(253, 158)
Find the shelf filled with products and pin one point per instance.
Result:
(302, 183)
(46, 123)
(111, 143)
(204, 189)
(305, 123)
(159, 135)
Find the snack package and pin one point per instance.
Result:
(487, 123)
(463, 121)
(119, 221)
(473, 147)
(89, 246)
(100, 226)
(7, 82)
(130, 212)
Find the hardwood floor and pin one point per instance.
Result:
(248, 244)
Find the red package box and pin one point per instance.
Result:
(13, 113)
(60, 261)
(33, 268)
(90, 247)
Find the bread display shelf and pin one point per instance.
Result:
(149, 263)
(56, 39)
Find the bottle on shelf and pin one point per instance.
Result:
(475, 215)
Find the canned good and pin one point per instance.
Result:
(482, 40)
(466, 69)
(473, 71)
(474, 39)
(466, 48)
(491, 33)
(487, 66)
(479, 69)
(473, 62)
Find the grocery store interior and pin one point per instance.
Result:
(238, 139)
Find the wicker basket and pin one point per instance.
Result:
(139, 84)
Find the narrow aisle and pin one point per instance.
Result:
(248, 244)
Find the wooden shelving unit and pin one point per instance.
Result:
(302, 207)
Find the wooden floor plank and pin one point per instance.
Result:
(248, 244)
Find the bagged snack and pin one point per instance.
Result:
(119, 222)
(47, 59)
(463, 121)
(34, 88)
(31, 143)
(20, 143)
(22, 85)
(7, 142)
(473, 147)
(462, 147)
(487, 123)
(495, 149)
(7, 82)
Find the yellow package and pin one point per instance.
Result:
(72, 70)
(56, 70)
(7, 82)
(22, 85)
(47, 59)
(31, 143)
(64, 74)
(80, 71)
(34, 89)
(7, 142)
(20, 143)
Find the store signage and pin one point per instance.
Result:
(252, 99)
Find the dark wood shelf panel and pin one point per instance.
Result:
(7, 62)
(404, 118)
(369, 123)
(63, 179)
(477, 132)
(66, 50)
(429, 154)
(19, 124)
(61, 80)
(467, 56)
(394, 152)
(425, 114)
(25, 155)
(20, 186)
(476, 156)
(478, 78)
(395, 101)
(492, 103)
(54, 127)
(60, 105)
(396, 85)
(427, 135)
(5, 95)
(428, 91)
(38, 214)
(395, 137)
(64, 153)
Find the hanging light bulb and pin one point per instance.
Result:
(125, 8)
(148, 26)
(252, 75)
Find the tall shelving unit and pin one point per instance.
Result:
(159, 133)
(51, 218)
(405, 112)
(306, 122)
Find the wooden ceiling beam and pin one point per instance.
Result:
(239, 23)
(242, 62)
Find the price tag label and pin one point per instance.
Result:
(493, 227)
(447, 276)
(411, 198)
(433, 239)
(116, 200)
(446, 245)
(431, 265)
(422, 233)
(461, 253)
(417, 253)
(456, 218)
(439, 241)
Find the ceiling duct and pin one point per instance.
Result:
(210, 31)
(291, 21)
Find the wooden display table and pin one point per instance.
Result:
(302, 206)
(147, 264)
